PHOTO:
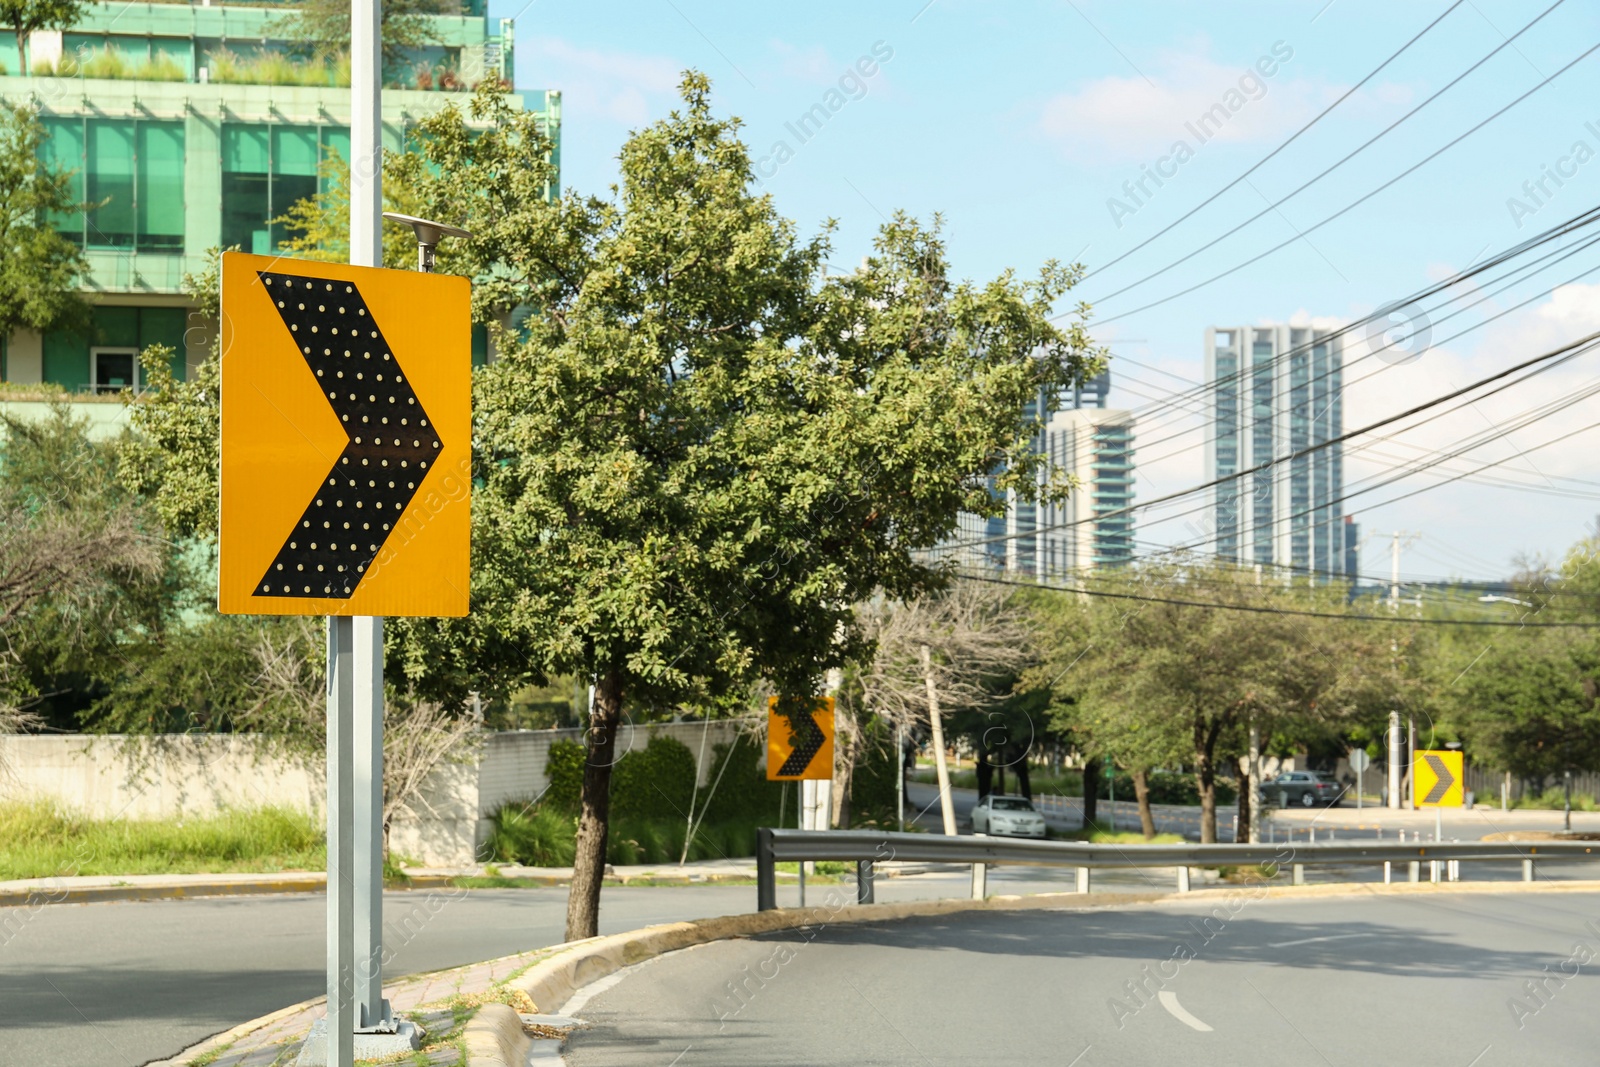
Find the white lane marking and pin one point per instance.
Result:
(1314, 940)
(1169, 1000)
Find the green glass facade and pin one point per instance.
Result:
(179, 152)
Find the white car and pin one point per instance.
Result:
(1007, 817)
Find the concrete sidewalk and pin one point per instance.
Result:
(35, 892)
(433, 1001)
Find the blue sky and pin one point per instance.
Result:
(1020, 123)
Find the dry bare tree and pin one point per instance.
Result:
(68, 541)
(939, 653)
(419, 737)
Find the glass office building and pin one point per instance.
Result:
(194, 126)
(1276, 391)
(1091, 528)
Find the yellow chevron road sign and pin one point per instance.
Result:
(1439, 779)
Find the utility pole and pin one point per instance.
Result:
(1394, 760)
(1254, 800)
(1394, 575)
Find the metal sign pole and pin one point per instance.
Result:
(341, 844)
(372, 1011)
(366, 250)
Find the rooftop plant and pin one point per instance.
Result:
(276, 68)
(114, 63)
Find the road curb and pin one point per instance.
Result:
(310, 883)
(33, 898)
(494, 1037)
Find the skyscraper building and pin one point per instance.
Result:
(1275, 391)
(1083, 438)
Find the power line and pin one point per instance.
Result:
(1561, 229)
(1345, 385)
(1335, 166)
(1300, 235)
(1565, 352)
(1292, 138)
(1258, 610)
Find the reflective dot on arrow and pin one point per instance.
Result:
(361, 499)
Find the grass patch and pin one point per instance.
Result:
(1123, 837)
(1554, 799)
(822, 867)
(41, 840)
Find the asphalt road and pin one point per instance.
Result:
(117, 985)
(120, 984)
(1416, 981)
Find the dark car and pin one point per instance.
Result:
(1305, 788)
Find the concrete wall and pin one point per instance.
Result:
(110, 776)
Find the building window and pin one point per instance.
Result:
(110, 182)
(135, 167)
(113, 369)
(159, 215)
(265, 171)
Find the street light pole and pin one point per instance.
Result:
(428, 234)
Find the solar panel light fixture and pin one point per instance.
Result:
(428, 233)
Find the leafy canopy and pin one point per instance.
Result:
(39, 268)
(700, 450)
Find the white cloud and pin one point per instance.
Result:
(812, 65)
(622, 86)
(1120, 119)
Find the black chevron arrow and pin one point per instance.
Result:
(391, 440)
(807, 739)
(1444, 782)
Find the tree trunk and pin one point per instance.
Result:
(1024, 782)
(21, 56)
(998, 785)
(1205, 777)
(1243, 828)
(1141, 790)
(983, 770)
(940, 766)
(1091, 791)
(589, 859)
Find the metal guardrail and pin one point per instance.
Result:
(867, 848)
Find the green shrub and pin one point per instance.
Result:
(656, 780)
(564, 768)
(535, 837)
(742, 790)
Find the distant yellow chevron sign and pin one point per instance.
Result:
(1439, 779)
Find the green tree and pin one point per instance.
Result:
(26, 16)
(39, 268)
(173, 457)
(703, 451)
(1529, 705)
(1151, 677)
(698, 451)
